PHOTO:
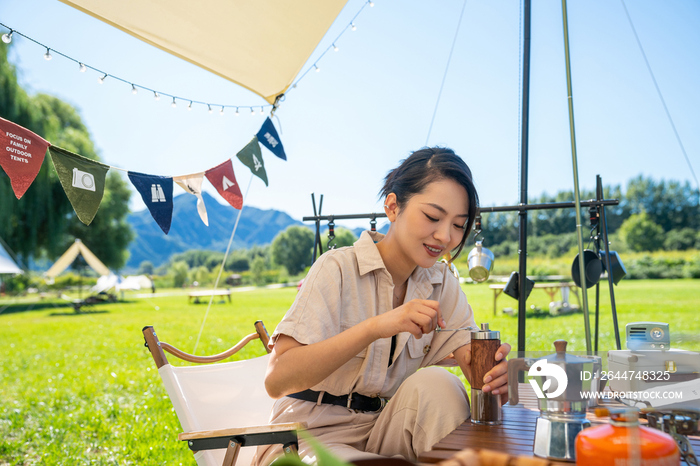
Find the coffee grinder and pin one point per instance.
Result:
(485, 406)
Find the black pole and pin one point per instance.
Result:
(522, 215)
(606, 243)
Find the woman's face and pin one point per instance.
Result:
(431, 223)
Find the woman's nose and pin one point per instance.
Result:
(442, 234)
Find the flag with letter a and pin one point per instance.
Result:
(269, 138)
(193, 185)
(157, 194)
(82, 179)
(251, 157)
(21, 155)
(223, 179)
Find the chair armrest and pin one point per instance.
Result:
(246, 436)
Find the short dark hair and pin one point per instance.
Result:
(425, 166)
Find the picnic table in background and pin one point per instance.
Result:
(207, 293)
(550, 288)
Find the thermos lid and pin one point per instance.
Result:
(485, 334)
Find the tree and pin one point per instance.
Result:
(292, 248)
(641, 233)
(42, 223)
(343, 237)
(257, 269)
(146, 268)
(179, 272)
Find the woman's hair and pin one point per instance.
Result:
(425, 166)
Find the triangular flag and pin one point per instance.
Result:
(223, 179)
(82, 179)
(193, 185)
(21, 155)
(157, 194)
(251, 157)
(269, 138)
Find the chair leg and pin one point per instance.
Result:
(231, 453)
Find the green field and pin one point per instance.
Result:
(82, 389)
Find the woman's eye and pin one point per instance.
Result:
(459, 227)
(431, 218)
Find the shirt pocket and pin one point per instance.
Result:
(417, 350)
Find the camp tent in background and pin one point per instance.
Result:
(203, 33)
(71, 254)
(7, 263)
(119, 283)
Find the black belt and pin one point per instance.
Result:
(352, 401)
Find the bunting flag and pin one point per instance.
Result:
(21, 155)
(223, 179)
(251, 157)
(269, 138)
(82, 179)
(157, 194)
(193, 185)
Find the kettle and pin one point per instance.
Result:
(562, 383)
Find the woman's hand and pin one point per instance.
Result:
(418, 316)
(495, 380)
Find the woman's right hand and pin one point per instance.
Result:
(418, 317)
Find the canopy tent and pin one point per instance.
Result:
(7, 264)
(259, 45)
(119, 283)
(71, 254)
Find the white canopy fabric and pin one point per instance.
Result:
(69, 256)
(7, 264)
(260, 45)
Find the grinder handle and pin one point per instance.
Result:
(515, 366)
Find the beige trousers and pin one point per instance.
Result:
(427, 406)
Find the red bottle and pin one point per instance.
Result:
(624, 442)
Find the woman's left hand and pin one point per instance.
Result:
(496, 379)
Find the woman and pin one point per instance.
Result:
(364, 322)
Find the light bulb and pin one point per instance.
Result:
(134, 90)
(371, 3)
(189, 107)
(47, 55)
(210, 110)
(222, 111)
(353, 27)
(156, 95)
(252, 111)
(7, 37)
(174, 104)
(335, 48)
(262, 111)
(317, 68)
(237, 114)
(101, 80)
(83, 68)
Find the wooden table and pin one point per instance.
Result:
(550, 288)
(207, 293)
(516, 436)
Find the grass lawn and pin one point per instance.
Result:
(82, 389)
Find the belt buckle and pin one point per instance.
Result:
(349, 400)
(382, 404)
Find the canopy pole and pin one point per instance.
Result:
(577, 200)
(522, 215)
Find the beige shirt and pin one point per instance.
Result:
(348, 285)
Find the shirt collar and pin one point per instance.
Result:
(369, 259)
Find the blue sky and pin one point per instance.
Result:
(372, 102)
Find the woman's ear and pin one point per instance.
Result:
(391, 208)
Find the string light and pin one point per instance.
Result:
(7, 37)
(47, 55)
(156, 95)
(189, 107)
(222, 111)
(210, 110)
(371, 3)
(317, 69)
(101, 80)
(174, 104)
(237, 114)
(83, 68)
(134, 90)
(262, 111)
(252, 111)
(335, 48)
(353, 27)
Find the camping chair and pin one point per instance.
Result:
(222, 407)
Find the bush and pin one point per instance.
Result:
(640, 233)
(681, 239)
(179, 271)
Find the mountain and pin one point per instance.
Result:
(187, 231)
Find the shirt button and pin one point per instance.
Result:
(426, 348)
